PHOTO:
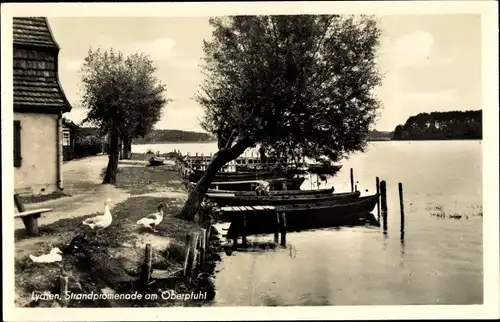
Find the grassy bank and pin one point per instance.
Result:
(112, 258)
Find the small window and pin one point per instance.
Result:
(17, 144)
(65, 138)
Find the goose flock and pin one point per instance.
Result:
(100, 223)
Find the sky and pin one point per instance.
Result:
(430, 62)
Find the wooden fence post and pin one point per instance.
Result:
(352, 180)
(63, 290)
(190, 253)
(203, 240)
(146, 266)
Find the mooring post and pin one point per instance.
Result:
(283, 228)
(352, 180)
(63, 290)
(203, 241)
(146, 266)
(378, 200)
(277, 228)
(401, 206)
(383, 202)
(244, 230)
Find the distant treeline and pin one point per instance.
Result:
(379, 135)
(454, 125)
(157, 136)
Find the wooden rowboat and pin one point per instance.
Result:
(227, 200)
(246, 185)
(233, 176)
(327, 191)
(156, 160)
(300, 217)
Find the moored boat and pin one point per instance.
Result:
(326, 191)
(300, 216)
(228, 200)
(156, 160)
(195, 176)
(246, 185)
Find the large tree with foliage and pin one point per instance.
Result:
(123, 98)
(305, 82)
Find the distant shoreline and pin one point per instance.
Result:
(382, 140)
(174, 142)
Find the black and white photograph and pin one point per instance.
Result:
(338, 158)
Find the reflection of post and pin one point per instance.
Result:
(383, 203)
(401, 206)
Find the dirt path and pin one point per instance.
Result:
(83, 181)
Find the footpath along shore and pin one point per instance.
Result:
(112, 260)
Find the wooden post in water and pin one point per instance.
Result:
(378, 201)
(63, 290)
(244, 230)
(203, 241)
(352, 180)
(283, 228)
(401, 206)
(146, 266)
(277, 228)
(383, 202)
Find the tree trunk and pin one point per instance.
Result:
(127, 147)
(223, 156)
(122, 147)
(114, 151)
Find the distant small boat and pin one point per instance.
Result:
(156, 160)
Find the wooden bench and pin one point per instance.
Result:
(29, 217)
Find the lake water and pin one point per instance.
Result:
(440, 260)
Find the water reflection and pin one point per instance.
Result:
(402, 249)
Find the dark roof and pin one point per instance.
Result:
(33, 31)
(69, 124)
(36, 81)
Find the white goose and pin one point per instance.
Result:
(152, 220)
(102, 221)
(53, 256)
